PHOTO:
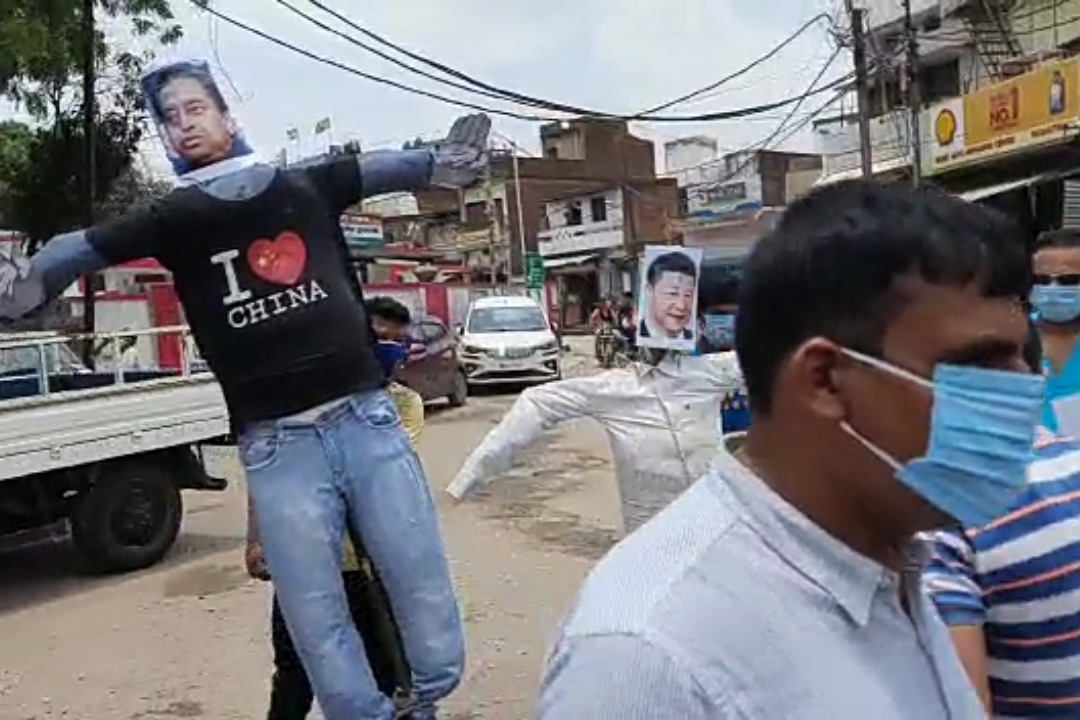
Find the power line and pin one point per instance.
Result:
(772, 137)
(519, 97)
(202, 5)
(424, 73)
(708, 117)
(738, 73)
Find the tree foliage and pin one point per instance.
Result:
(47, 194)
(42, 168)
(42, 45)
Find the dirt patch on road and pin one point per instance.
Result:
(521, 497)
(176, 709)
(205, 580)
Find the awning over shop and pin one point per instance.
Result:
(880, 168)
(568, 260)
(980, 193)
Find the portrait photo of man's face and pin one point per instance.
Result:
(668, 300)
(672, 288)
(199, 128)
(672, 302)
(192, 116)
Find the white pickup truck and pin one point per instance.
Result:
(107, 452)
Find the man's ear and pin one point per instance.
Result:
(231, 124)
(816, 372)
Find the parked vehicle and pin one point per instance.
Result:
(433, 369)
(106, 452)
(509, 339)
(26, 361)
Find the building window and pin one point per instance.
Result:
(940, 81)
(573, 213)
(598, 208)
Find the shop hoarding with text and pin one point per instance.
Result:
(1034, 110)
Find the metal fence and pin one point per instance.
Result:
(41, 363)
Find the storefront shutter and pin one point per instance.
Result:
(1070, 216)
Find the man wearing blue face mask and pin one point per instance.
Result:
(1055, 298)
(880, 338)
(1010, 592)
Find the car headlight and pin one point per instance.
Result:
(471, 350)
(548, 346)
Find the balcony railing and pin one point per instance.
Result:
(581, 238)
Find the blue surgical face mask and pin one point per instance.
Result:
(391, 355)
(1056, 303)
(982, 433)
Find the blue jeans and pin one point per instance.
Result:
(307, 478)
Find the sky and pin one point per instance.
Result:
(617, 56)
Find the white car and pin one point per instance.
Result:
(508, 340)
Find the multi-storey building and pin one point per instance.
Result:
(586, 206)
(963, 47)
(729, 201)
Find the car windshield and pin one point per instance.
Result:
(58, 359)
(506, 319)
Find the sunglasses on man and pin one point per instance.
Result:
(1065, 279)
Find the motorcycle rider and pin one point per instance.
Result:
(604, 314)
(626, 323)
(602, 320)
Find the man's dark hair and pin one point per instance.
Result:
(1066, 238)
(676, 262)
(388, 309)
(1033, 350)
(831, 266)
(155, 82)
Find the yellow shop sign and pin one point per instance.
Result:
(1040, 107)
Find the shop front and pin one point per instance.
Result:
(587, 263)
(1011, 144)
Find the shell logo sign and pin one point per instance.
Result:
(945, 127)
(1036, 109)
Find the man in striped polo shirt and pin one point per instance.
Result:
(1010, 591)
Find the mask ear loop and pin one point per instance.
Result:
(888, 367)
(871, 447)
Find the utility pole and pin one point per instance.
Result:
(496, 233)
(520, 215)
(858, 41)
(914, 99)
(90, 170)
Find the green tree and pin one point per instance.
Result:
(15, 141)
(42, 46)
(47, 196)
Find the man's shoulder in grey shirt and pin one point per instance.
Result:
(731, 604)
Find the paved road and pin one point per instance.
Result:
(188, 639)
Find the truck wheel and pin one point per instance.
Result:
(129, 519)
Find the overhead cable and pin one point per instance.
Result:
(707, 117)
(517, 97)
(772, 137)
(738, 73)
